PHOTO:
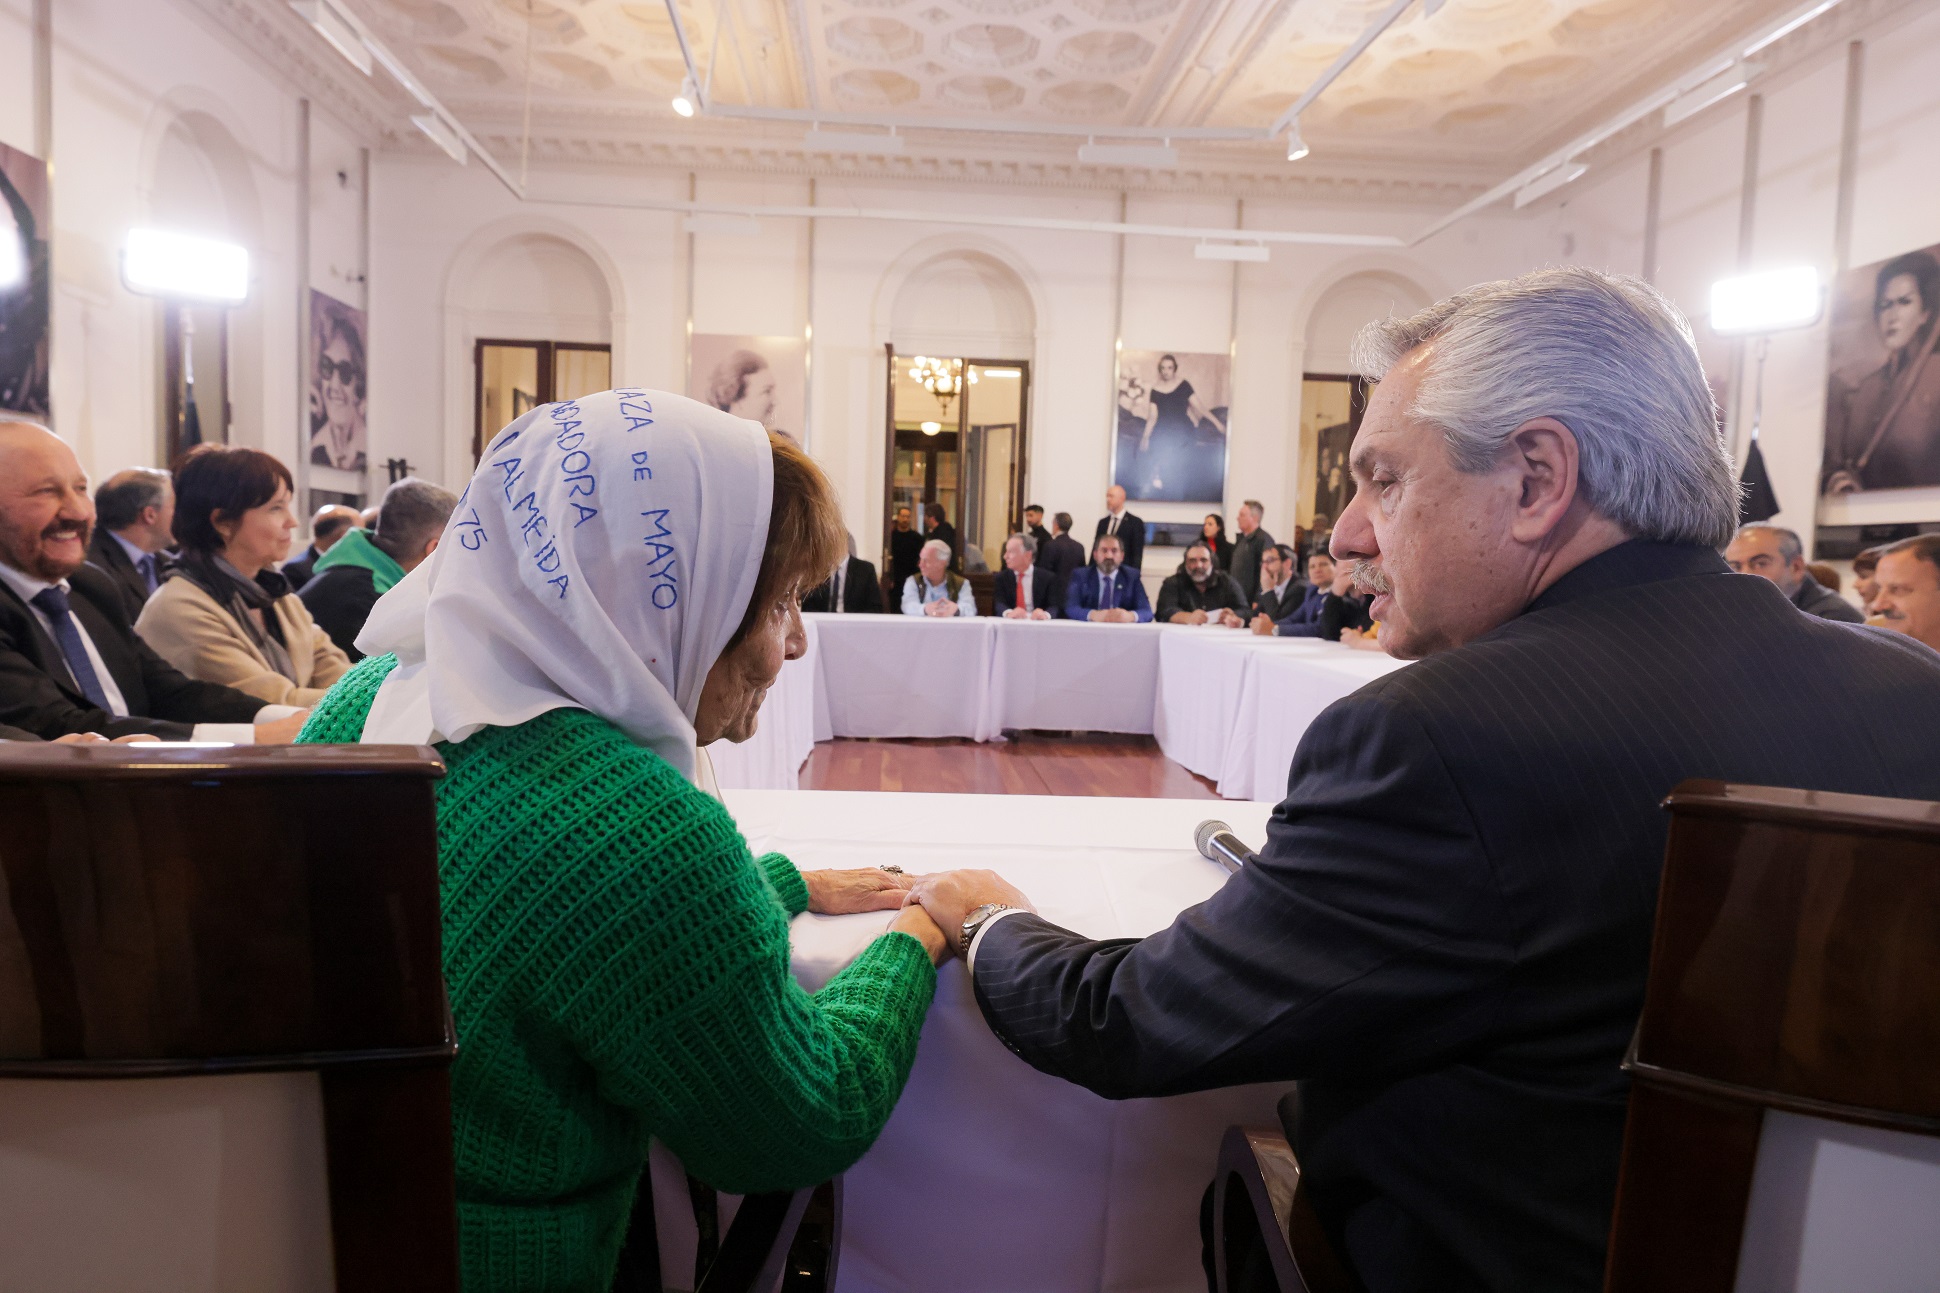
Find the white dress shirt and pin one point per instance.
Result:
(30, 586)
(919, 592)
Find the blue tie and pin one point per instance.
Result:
(147, 568)
(53, 603)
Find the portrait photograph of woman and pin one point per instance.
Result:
(762, 379)
(1171, 441)
(1882, 428)
(337, 384)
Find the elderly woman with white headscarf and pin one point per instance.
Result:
(617, 588)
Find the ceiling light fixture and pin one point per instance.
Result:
(335, 28)
(1718, 88)
(685, 102)
(1296, 146)
(155, 262)
(931, 428)
(1543, 185)
(1253, 251)
(1771, 301)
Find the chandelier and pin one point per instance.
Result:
(943, 378)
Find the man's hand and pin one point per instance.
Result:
(942, 610)
(1368, 641)
(1263, 625)
(1188, 617)
(81, 738)
(950, 896)
(1120, 616)
(283, 730)
(1017, 613)
(1230, 618)
(1040, 614)
(839, 893)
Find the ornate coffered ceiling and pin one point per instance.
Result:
(1436, 106)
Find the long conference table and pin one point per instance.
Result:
(991, 1175)
(1225, 704)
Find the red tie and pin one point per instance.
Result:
(1024, 591)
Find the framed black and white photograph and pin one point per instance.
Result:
(26, 231)
(1882, 424)
(761, 378)
(337, 381)
(1170, 444)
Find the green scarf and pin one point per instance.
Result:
(356, 549)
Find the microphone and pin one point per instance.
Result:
(1216, 842)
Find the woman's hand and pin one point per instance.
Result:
(841, 893)
(917, 923)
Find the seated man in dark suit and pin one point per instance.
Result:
(1062, 555)
(1199, 594)
(134, 516)
(1106, 592)
(330, 523)
(851, 590)
(1301, 619)
(1281, 588)
(1024, 590)
(1775, 553)
(69, 657)
(363, 565)
(1445, 935)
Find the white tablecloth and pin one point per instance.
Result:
(1067, 676)
(785, 734)
(901, 675)
(991, 1175)
(1283, 693)
(1202, 678)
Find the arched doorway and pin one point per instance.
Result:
(539, 321)
(1331, 396)
(962, 333)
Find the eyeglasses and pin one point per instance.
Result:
(342, 369)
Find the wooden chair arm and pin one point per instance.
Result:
(1258, 1188)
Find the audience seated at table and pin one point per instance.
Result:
(935, 589)
(851, 590)
(1445, 935)
(330, 523)
(904, 544)
(1062, 555)
(1022, 575)
(1212, 531)
(1302, 618)
(1281, 588)
(1129, 530)
(1775, 553)
(1908, 600)
(936, 526)
(1200, 593)
(226, 614)
(367, 562)
(618, 959)
(1244, 565)
(69, 657)
(1034, 525)
(1106, 591)
(134, 515)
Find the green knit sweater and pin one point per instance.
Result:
(618, 969)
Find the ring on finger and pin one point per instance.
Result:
(891, 868)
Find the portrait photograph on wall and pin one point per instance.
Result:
(762, 378)
(338, 337)
(1882, 425)
(26, 282)
(1330, 414)
(1170, 444)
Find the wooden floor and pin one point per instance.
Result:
(1033, 764)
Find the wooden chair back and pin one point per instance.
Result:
(983, 587)
(237, 924)
(1793, 998)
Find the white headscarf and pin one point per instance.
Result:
(602, 556)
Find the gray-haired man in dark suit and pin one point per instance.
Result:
(1445, 936)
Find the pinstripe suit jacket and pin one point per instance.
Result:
(1446, 935)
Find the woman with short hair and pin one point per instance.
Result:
(619, 587)
(225, 614)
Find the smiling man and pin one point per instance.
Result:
(69, 658)
(1445, 934)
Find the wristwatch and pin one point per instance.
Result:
(974, 922)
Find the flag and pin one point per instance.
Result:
(1756, 502)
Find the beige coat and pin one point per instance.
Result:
(190, 629)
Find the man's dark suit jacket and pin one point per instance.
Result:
(905, 546)
(301, 569)
(1179, 593)
(112, 560)
(1131, 533)
(1062, 555)
(1445, 937)
(1042, 535)
(1814, 598)
(1244, 565)
(1301, 619)
(1044, 589)
(1085, 593)
(861, 594)
(1274, 605)
(37, 692)
(340, 600)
